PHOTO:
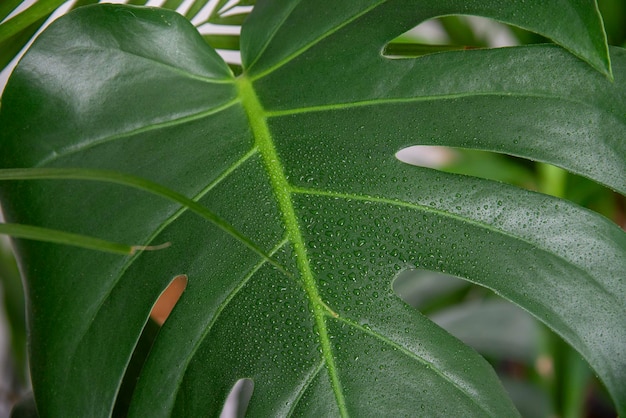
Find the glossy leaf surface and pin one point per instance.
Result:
(297, 155)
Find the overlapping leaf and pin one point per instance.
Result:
(18, 30)
(298, 156)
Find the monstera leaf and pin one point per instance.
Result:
(308, 215)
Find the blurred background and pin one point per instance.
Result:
(544, 377)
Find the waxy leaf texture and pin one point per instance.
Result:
(310, 215)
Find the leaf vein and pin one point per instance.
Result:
(450, 96)
(585, 274)
(293, 5)
(283, 195)
(85, 145)
(308, 381)
(207, 328)
(178, 70)
(315, 41)
(157, 231)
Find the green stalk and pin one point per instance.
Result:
(552, 180)
(571, 373)
(136, 183)
(68, 238)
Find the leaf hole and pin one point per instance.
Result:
(168, 299)
(238, 399)
(515, 343)
(426, 290)
(507, 336)
(158, 315)
(472, 162)
(454, 32)
(521, 172)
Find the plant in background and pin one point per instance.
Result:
(288, 213)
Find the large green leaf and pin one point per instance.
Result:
(297, 156)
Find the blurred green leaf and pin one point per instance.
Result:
(14, 306)
(223, 41)
(495, 328)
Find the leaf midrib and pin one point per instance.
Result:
(283, 194)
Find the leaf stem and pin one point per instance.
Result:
(552, 179)
(76, 240)
(136, 183)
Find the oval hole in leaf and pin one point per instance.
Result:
(455, 32)
(165, 303)
(484, 164)
(160, 311)
(238, 399)
(426, 290)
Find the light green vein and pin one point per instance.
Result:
(315, 41)
(399, 203)
(292, 5)
(140, 184)
(227, 172)
(306, 384)
(83, 241)
(164, 225)
(213, 319)
(282, 190)
(158, 230)
(426, 98)
(160, 125)
(173, 68)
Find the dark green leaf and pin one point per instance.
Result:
(298, 155)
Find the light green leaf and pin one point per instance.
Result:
(297, 154)
(493, 327)
(21, 21)
(7, 7)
